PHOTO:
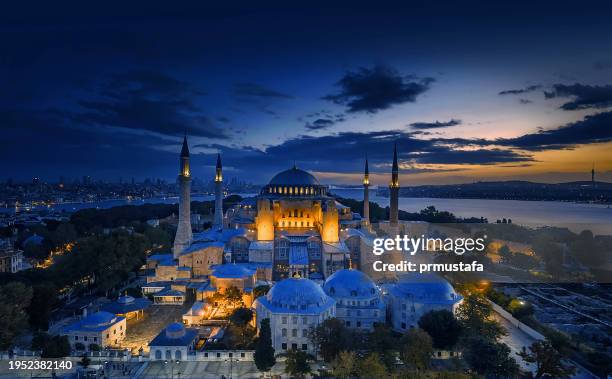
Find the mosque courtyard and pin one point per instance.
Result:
(140, 332)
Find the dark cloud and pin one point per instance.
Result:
(373, 89)
(584, 96)
(435, 124)
(147, 101)
(525, 101)
(324, 120)
(595, 128)
(320, 123)
(256, 90)
(531, 88)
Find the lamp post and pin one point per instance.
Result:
(230, 359)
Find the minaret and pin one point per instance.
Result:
(366, 194)
(184, 235)
(394, 190)
(218, 195)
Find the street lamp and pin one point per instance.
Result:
(230, 359)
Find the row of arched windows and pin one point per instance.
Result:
(294, 190)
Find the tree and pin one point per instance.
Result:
(44, 299)
(381, 339)
(490, 358)
(14, 299)
(384, 342)
(442, 326)
(416, 349)
(94, 347)
(297, 363)
(548, 360)
(233, 296)
(344, 365)
(241, 316)
(330, 337)
(56, 347)
(550, 252)
(505, 253)
(264, 352)
(371, 367)
(520, 308)
(473, 314)
(240, 331)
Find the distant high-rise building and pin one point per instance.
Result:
(36, 180)
(366, 194)
(184, 235)
(394, 187)
(218, 194)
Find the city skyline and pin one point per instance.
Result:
(469, 92)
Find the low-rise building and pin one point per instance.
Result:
(11, 260)
(175, 342)
(416, 294)
(103, 329)
(293, 306)
(358, 300)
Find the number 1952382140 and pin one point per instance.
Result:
(39, 364)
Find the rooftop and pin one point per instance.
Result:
(296, 295)
(294, 176)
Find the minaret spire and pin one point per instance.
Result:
(394, 189)
(184, 235)
(366, 193)
(218, 221)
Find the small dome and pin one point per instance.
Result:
(125, 299)
(297, 293)
(175, 330)
(350, 284)
(294, 176)
(429, 287)
(98, 319)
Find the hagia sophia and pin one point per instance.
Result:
(313, 251)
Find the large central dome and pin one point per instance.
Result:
(294, 183)
(294, 177)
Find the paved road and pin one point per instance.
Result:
(205, 370)
(517, 338)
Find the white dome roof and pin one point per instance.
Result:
(429, 288)
(350, 284)
(175, 330)
(297, 294)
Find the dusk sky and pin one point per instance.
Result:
(468, 90)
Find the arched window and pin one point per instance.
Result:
(158, 354)
(168, 355)
(177, 355)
